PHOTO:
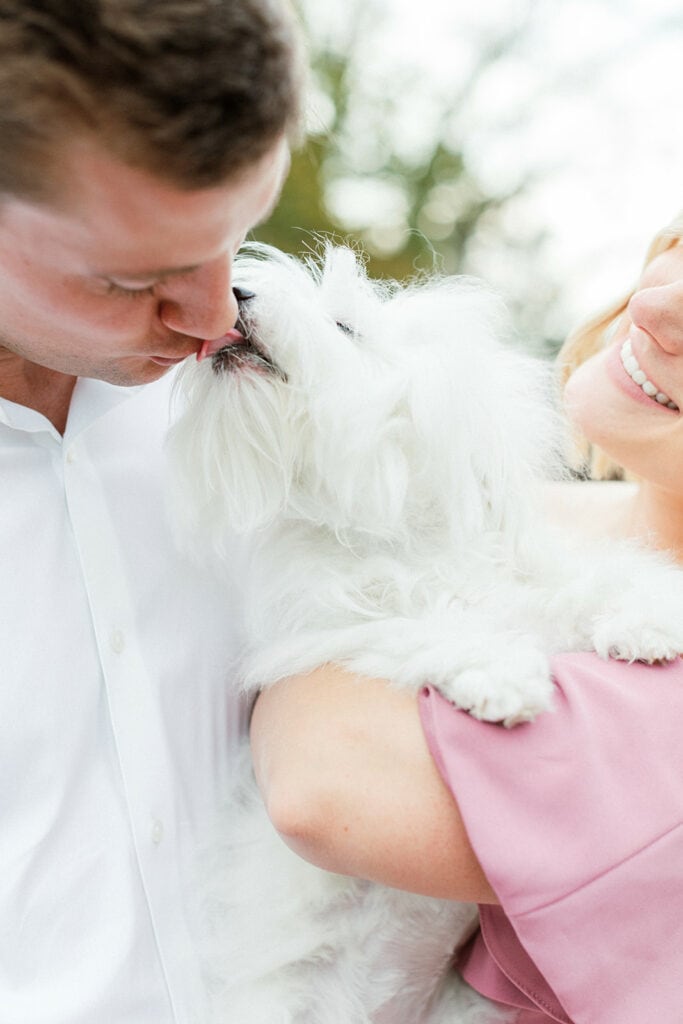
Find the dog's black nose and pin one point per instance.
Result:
(242, 294)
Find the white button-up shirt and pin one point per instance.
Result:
(116, 720)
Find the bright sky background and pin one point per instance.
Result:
(592, 101)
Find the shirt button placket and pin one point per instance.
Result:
(157, 831)
(117, 641)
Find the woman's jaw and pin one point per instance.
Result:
(607, 404)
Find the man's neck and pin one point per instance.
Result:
(47, 391)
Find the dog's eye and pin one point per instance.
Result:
(346, 329)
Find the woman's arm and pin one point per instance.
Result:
(350, 785)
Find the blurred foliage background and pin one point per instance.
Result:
(411, 205)
(461, 147)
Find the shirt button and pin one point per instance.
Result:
(70, 456)
(117, 641)
(157, 831)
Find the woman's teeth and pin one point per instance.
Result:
(634, 371)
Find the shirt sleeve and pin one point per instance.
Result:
(577, 820)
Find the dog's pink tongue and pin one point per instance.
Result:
(209, 348)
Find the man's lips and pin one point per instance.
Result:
(209, 348)
(206, 350)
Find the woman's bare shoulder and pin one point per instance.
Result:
(595, 508)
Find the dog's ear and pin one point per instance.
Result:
(232, 460)
(358, 462)
(347, 294)
(481, 411)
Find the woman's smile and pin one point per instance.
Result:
(640, 378)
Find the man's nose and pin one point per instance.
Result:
(202, 304)
(235, 336)
(658, 311)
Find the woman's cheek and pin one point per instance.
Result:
(584, 405)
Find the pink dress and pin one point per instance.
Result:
(577, 820)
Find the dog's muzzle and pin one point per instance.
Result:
(244, 354)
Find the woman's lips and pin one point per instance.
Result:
(623, 380)
(639, 377)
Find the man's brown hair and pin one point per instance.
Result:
(191, 90)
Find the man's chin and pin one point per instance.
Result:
(145, 371)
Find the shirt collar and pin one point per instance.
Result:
(90, 400)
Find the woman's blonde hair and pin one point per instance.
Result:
(591, 336)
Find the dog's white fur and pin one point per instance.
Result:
(387, 469)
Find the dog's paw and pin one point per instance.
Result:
(511, 688)
(626, 637)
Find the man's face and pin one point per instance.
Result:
(126, 275)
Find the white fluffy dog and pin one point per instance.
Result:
(384, 450)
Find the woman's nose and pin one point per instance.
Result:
(202, 304)
(658, 310)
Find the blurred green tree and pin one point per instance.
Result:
(412, 205)
(443, 202)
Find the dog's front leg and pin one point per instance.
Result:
(497, 676)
